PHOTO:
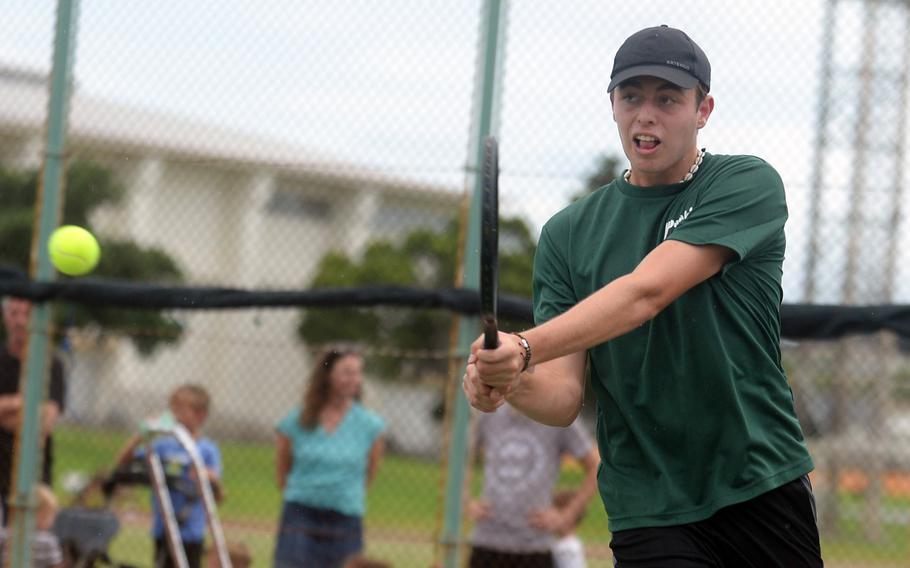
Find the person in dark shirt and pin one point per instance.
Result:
(16, 314)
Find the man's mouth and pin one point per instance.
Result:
(646, 142)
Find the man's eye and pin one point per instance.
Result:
(666, 101)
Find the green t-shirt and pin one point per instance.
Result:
(694, 412)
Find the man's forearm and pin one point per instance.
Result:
(629, 301)
(552, 393)
(617, 308)
(552, 390)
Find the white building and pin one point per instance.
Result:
(234, 210)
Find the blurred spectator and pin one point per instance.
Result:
(328, 451)
(16, 314)
(516, 520)
(568, 550)
(46, 551)
(189, 405)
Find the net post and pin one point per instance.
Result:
(33, 380)
(484, 122)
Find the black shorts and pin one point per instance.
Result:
(776, 529)
(488, 558)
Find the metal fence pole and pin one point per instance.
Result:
(484, 122)
(49, 202)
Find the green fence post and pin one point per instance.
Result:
(34, 372)
(484, 122)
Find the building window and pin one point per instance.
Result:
(295, 204)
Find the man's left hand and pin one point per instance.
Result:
(492, 374)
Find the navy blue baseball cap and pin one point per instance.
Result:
(663, 52)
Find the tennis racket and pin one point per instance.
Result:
(489, 243)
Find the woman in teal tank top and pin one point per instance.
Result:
(328, 451)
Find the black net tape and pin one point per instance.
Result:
(798, 321)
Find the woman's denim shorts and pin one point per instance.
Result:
(318, 538)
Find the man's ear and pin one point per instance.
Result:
(704, 110)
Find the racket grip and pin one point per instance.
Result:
(490, 334)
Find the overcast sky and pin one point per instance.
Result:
(388, 83)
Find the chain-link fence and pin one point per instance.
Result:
(298, 145)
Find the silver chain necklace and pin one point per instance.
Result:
(689, 175)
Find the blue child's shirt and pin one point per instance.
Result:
(328, 470)
(176, 462)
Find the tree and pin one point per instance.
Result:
(88, 187)
(426, 259)
(606, 170)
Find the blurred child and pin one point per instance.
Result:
(568, 550)
(46, 551)
(189, 405)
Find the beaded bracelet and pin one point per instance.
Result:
(527, 349)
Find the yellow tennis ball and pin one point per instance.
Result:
(73, 250)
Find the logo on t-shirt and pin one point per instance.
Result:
(671, 224)
(517, 460)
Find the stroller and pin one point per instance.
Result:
(85, 532)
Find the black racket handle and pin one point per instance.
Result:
(490, 334)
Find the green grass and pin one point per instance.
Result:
(853, 549)
(403, 507)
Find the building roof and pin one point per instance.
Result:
(116, 127)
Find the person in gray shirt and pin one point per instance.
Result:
(515, 520)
